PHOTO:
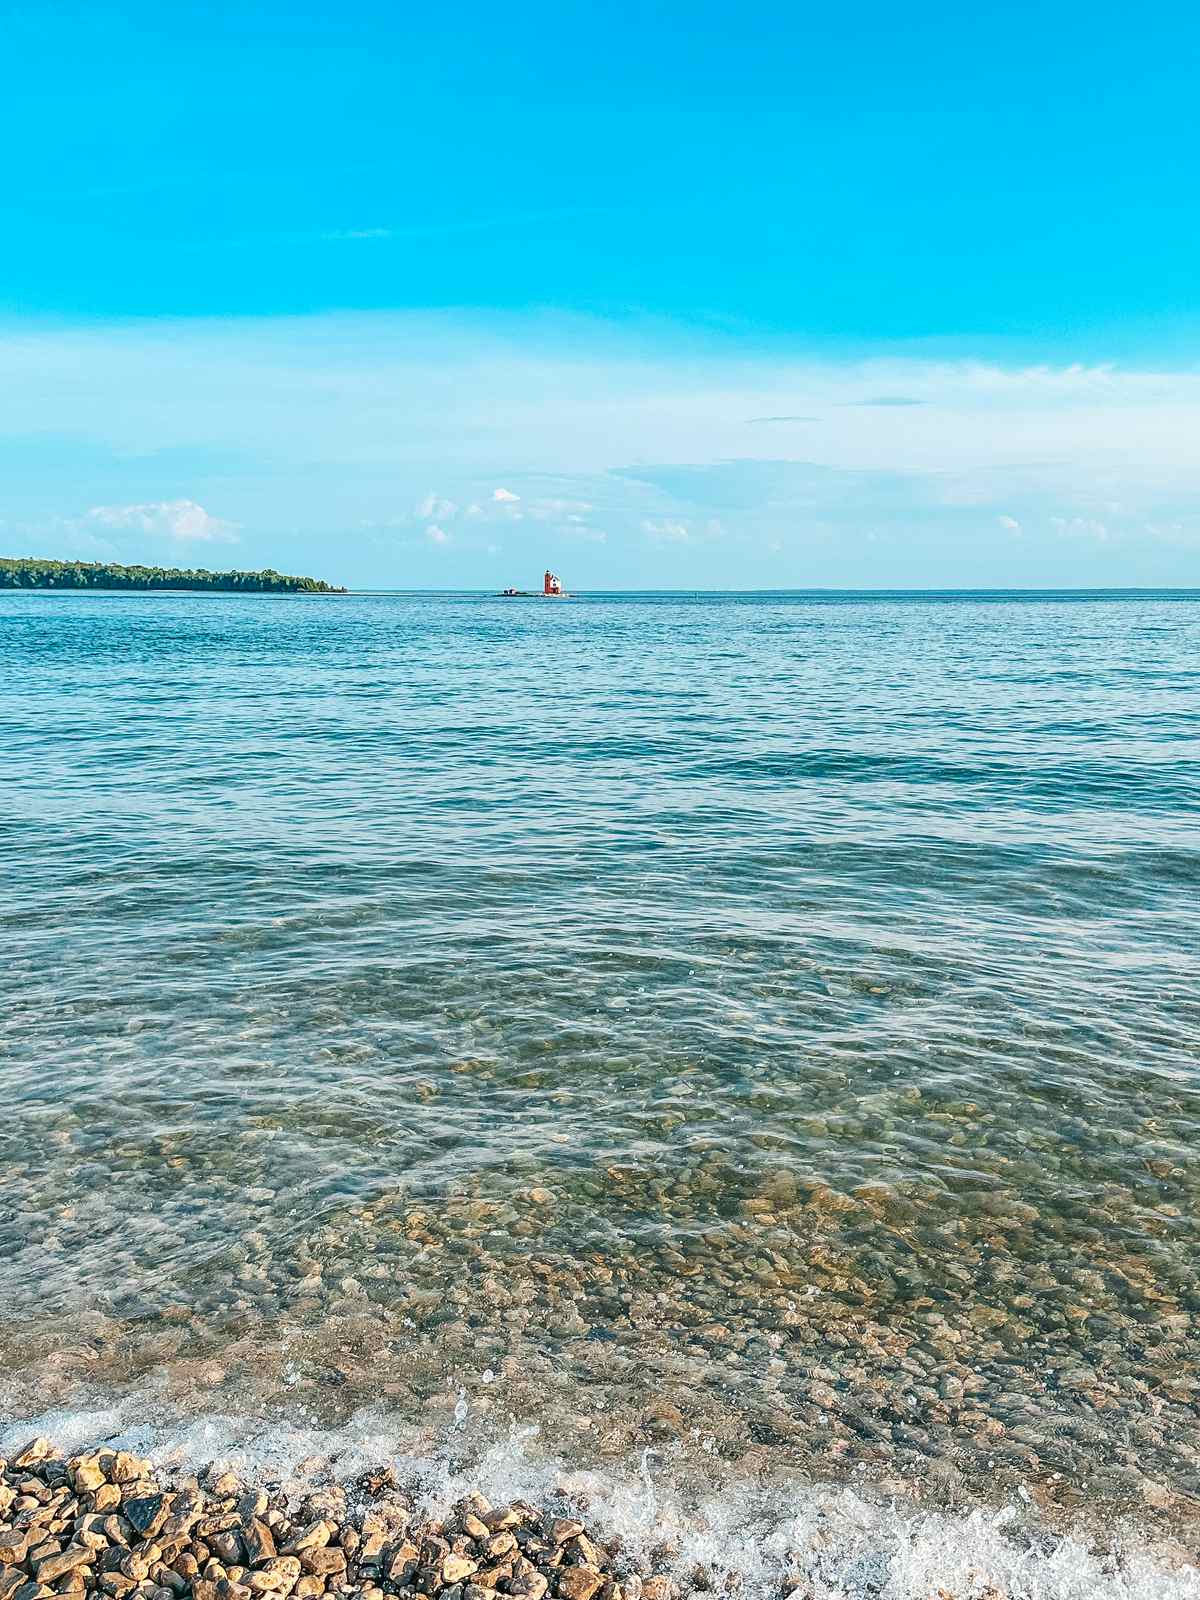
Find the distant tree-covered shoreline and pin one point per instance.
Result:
(33, 572)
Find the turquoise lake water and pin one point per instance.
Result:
(763, 1028)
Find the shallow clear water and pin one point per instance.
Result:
(765, 1027)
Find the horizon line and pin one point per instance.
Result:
(576, 594)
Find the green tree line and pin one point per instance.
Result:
(32, 572)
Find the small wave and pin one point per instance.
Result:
(818, 1541)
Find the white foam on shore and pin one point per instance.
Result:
(845, 1546)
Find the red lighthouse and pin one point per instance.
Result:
(552, 583)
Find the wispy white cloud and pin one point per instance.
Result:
(666, 531)
(556, 430)
(182, 520)
(434, 505)
(886, 400)
(453, 227)
(350, 234)
(437, 535)
(1082, 528)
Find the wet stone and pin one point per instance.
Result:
(146, 1513)
(258, 1540)
(561, 1529)
(577, 1583)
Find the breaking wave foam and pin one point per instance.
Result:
(830, 1542)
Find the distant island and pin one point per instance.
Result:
(32, 572)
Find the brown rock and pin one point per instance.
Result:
(116, 1584)
(134, 1565)
(456, 1568)
(76, 1555)
(529, 1585)
(583, 1552)
(177, 1527)
(11, 1578)
(258, 1540)
(500, 1544)
(278, 1575)
(87, 1474)
(106, 1498)
(227, 1547)
(400, 1564)
(658, 1589)
(311, 1537)
(503, 1517)
(14, 1543)
(324, 1559)
(221, 1523)
(578, 1583)
(371, 1545)
(493, 1577)
(308, 1587)
(563, 1528)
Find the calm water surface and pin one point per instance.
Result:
(762, 1025)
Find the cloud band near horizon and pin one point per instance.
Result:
(627, 458)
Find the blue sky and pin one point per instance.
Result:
(673, 295)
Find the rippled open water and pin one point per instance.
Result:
(763, 1029)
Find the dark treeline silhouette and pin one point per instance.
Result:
(32, 572)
